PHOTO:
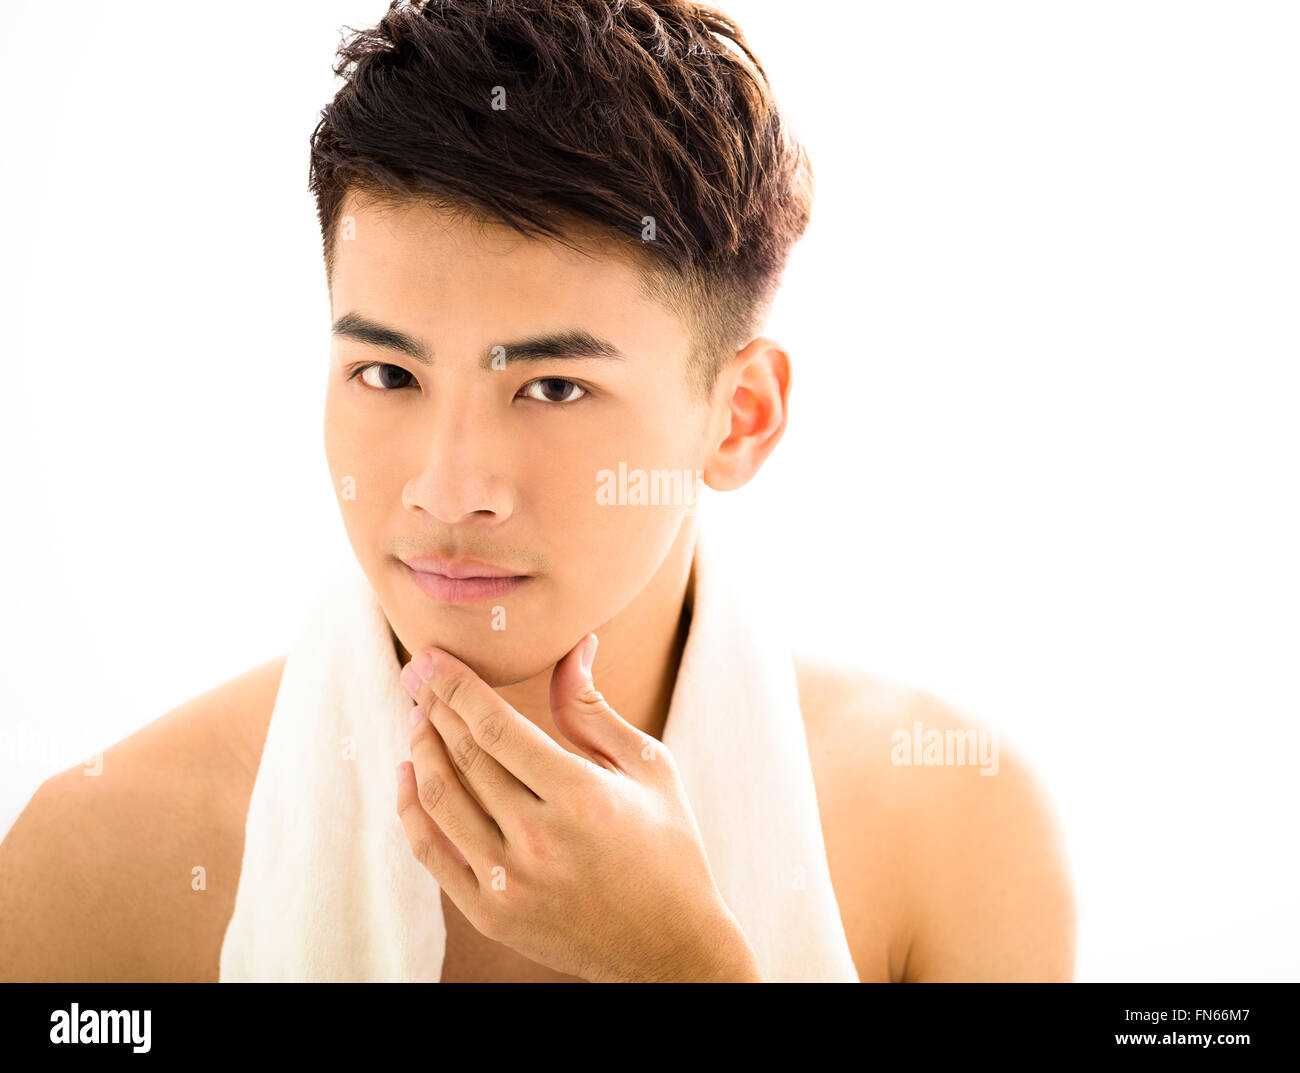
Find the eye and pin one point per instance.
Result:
(552, 386)
(384, 375)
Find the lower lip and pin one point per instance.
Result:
(464, 590)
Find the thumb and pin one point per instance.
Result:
(582, 714)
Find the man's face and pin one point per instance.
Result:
(501, 460)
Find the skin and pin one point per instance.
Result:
(477, 462)
(563, 859)
(940, 874)
(501, 464)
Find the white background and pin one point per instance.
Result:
(1042, 458)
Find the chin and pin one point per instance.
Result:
(496, 657)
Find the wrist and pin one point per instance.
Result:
(721, 954)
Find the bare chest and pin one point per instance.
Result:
(860, 870)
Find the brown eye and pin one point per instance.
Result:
(385, 377)
(554, 389)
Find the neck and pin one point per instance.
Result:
(639, 655)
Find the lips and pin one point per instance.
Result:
(462, 580)
(460, 568)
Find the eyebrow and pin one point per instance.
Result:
(567, 343)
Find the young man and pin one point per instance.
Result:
(551, 239)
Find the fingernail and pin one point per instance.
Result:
(397, 772)
(423, 665)
(411, 680)
(588, 654)
(417, 713)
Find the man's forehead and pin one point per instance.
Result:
(421, 224)
(407, 254)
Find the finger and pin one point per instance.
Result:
(441, 795)
(585, 718)
(429, 845)
(516, 743)
(425, 699)
(499, 793)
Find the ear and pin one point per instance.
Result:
(754, 394)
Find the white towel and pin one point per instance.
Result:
(330, 891)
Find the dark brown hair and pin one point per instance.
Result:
(615, 110)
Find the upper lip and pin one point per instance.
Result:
(459, 568)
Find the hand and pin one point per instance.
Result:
(593, 867)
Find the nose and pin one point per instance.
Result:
(462, 474)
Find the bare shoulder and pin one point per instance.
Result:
(945, 851)
(126, 869)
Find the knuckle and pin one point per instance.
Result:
(456, 688)
(491, 728)
(534, 839)
(422, 849)
(591, 697)
(464, 752)
(661, 758)
(432, 791)
(595, 803)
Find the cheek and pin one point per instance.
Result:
(341, 437)
(586, 491)
(362, 470)
(608, 560)
(611, 548)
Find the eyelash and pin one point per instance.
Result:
(586, 391)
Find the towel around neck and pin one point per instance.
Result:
(330, 891)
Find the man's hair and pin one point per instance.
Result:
(614, 111)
